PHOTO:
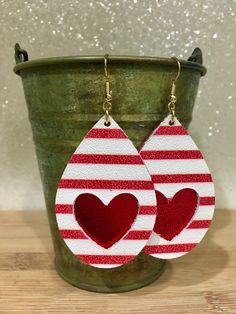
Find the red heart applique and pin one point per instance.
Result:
(106, 224)
(174, 215)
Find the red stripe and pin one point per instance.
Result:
(105, 259)
(64, 209)
(105, 159)
(181, 178)
(198, 224)
(147, 210)
(105, 184)
(169, 248)
(171, 130)
(171, 154)
(207, 200)
(72, 234)
(106, 133)
(138, 235)
(202, 200)
(80, 235)
(68, 209)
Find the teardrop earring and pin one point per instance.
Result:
(105, 201)
(183, 184)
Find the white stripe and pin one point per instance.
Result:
(68, 196)
(175, 166)
(169, 255)
(127, 247)
(186, 235)
(105, 172)
(68, 221)
(166, 121)
(144, 222)
(169, 189)
(100, 124)
(174, 142)
(106, 265)
(204, 212)
(106, 146)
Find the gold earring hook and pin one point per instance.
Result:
(178, 73)
(173, 98)
(107, 104)
(105, 65)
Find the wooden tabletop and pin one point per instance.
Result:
(203, 281)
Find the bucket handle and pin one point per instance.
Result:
(21, 55)
(196, 56)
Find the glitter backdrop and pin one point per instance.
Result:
(157, 28)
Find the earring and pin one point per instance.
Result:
(105, 201)
(183, 185)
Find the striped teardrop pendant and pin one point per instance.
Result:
(184, 190)
(105, 201)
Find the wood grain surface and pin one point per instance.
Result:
(203, 281)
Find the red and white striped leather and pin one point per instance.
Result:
(174, 163)
(106, 164)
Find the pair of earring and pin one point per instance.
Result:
(113, 201)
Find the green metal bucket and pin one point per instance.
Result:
(64, 97)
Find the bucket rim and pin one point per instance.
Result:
(67, 60)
